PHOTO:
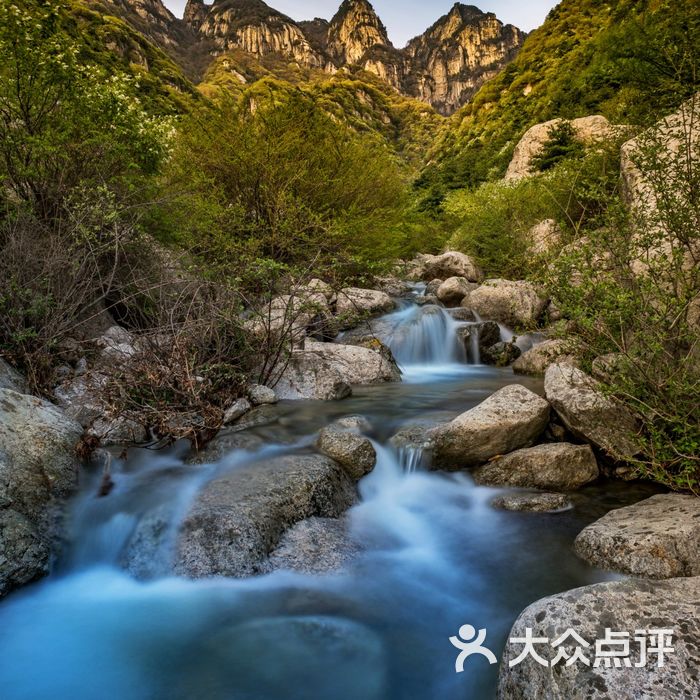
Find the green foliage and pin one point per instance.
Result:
(560, 145)
(275, 178)
(631, 61)
(64, 124)
(494, 219)
(632, 287)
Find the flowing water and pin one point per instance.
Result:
(435, 556)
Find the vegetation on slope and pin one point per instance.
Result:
(631, 61)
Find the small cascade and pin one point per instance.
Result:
(411, 458)
(425, 336)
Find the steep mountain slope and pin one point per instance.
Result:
(443, 67)
(451, 60)
(630, 61)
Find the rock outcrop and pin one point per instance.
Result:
(587, 130)
(558, 466)
(447, 64)
(38, 470)
(657, 538)
(589, 414)
(620, 606)
(238, 519)
(544, 237)
(326, 371)
(510, 419)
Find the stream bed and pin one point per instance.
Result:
(435, 556)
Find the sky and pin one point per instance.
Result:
(408, 18)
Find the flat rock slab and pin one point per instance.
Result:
(238, 519)
(557, 466)
(533, 502)
(657, 538)
(621, 606)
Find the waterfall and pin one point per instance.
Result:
(425, 335)
(410, 458)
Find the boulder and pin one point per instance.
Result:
(356, 304)
(607, 367)
(325, 371)
(557, 466)
(261, 395)
(237, 410)
(315, 546)
(544, 237)
(118, 347)
(540, 357)
(290, 316)
(343, 442)
(38, 471)
(463, 315)
(442, 267)
(589, 414)
(533, 502)
(11, 379)
(587, 130)
(656, 538)
(510, 419)
(239, 518)
(453, 290)
(84, 399)
(621, 606)
(501, 354)
(431, 289)
(515, 304)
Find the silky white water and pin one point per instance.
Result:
(435, 556)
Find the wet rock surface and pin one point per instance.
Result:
(239, 518)
(657, 538)
(621, 606)
(533, 502)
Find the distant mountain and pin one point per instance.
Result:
(443, 67)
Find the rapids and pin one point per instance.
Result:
(435, 556)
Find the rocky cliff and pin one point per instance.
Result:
(444, 66)
(447, 64)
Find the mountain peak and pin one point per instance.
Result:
(354, 31)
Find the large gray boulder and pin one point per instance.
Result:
(343, 442)
(515, 304)
(540, 357)
(11, 379)
(656, 538)
(238, 519)
(620, 606)
(85, 399)
(444, 266)
(512, 418)
(38, 470)
(291, 315)
(326, 371)
(589, 414)
(557, 466)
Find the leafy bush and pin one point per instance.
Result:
(632, 287)
(495, 218)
